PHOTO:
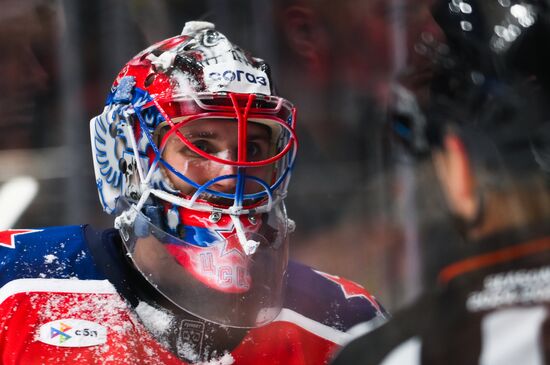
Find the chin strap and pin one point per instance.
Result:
(249, 246)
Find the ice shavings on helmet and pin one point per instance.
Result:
(183, 84)
(164, 61)
(123, 92)
(195, 26)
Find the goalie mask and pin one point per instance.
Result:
(193, 153)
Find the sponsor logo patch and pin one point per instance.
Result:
(236, 77)
(72, 333)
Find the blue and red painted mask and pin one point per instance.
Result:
(193, 132)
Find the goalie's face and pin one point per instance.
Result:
(218, 138)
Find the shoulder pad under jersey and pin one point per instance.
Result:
(55, 252)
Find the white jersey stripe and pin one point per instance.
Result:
(105, 287)
(319, 329)
(56, 286)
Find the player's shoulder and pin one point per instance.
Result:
(52, 252)
(330, 299)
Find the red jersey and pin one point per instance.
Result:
(57, 306)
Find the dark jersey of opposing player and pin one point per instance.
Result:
(493, 308)
(69, 295)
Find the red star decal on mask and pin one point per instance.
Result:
(229, 236)
(232, 243)
(351, 289)
(7, 238)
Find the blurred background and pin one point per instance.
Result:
(336, 61)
